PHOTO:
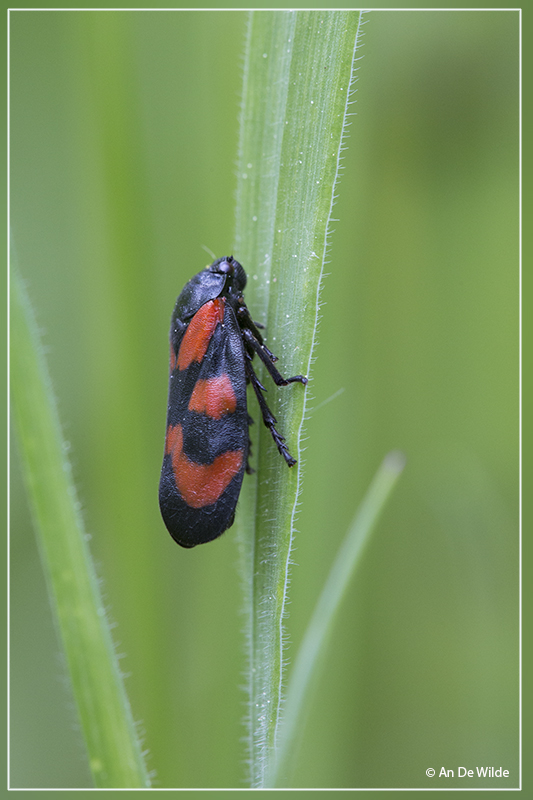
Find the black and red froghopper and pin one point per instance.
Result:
(212, 343)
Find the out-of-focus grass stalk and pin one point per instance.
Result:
(320, 626)
(115, 756)
(298, 80)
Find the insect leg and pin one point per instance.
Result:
(267, 358)
(249, 470)
(268, 417)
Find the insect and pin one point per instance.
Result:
(212, 343)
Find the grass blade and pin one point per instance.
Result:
(321, 623)
(298, 77)
(114, 749)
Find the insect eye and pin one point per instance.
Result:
(225, 267)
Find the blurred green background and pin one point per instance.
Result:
(123, 145)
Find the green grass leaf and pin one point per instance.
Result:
(115, 756)
(298, 77)
(320, 626)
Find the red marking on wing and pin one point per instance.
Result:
(198, 335)
(200, 484)
(214, 397)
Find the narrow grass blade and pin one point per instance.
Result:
(321, 623)
(114, 749)
(298, 79)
